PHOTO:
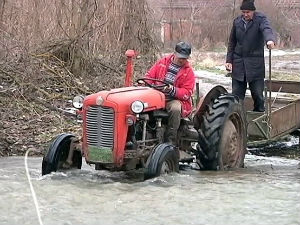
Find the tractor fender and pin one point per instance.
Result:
(205, 100)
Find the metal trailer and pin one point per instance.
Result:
(282, 114)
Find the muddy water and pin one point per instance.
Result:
(267, 191)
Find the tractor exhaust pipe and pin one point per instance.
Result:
(129, 68)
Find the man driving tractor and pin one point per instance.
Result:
(177, 72)
(134, 127)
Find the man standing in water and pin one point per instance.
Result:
(245, 54)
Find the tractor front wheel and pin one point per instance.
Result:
(163, 160)
(57, 154)
(222, 134)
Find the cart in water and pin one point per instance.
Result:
(282, 114)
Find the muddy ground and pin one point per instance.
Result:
(29, 121)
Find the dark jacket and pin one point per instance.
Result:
(246, 47)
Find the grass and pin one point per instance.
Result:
(283, 76)
(209, 69)
(276, 75)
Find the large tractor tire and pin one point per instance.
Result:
(57, 154)
(222, 134)
(163, 160)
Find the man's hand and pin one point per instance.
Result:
(168, 88)
(228, 67)
(270, 44)
(139, 83)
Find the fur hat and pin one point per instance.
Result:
(248, 5)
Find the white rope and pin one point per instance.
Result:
(32, 190)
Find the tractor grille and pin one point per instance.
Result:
(100, 126)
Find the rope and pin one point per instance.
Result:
(32, 190)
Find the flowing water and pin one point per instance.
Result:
(266, 191)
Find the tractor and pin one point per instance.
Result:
(123, 129)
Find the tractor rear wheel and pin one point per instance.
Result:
(57, 154)
(222, 134)
(163, 160)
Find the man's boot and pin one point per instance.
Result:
(171, 136)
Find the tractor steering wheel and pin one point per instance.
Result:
(155, 86)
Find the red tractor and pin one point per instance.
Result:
(123, 129)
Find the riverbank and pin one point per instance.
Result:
(29, 121)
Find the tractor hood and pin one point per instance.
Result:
(121, 98)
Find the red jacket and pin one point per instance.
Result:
(184, 81)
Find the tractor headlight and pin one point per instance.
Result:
(78, 102)
(137, 107)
